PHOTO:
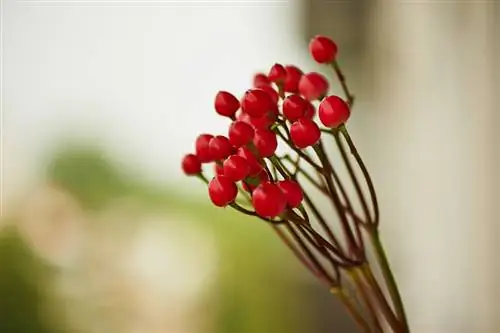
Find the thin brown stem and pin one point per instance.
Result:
(365, 296)
(351, 309)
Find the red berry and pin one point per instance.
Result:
(333, 111)
(226, 104)
(294, 107)
(252, 160)
(293, 192)
(313, 86)
(304, 133)
(220, 147)
(201, 147)
(236, 168)
(293, 75)
(260, 80)
(222, 191)
(268, 200)
(323, 49)
(265, 142)
(252, 182)
(218, 169)
(240, 133)
(277, 73)
(272, 93)
(257, 103)
(310, 110)
(191, 165)
(263, 122)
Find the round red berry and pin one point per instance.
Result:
(313, 86)
(293, 192)
(191, 165)
(226, 104)
(222, 191)
(236, 168)
(272, 93)
(323, 49)
(294, 107)
(220, 147)
(240, 133)
(253, 162)
(277, 73)
(304, 133)
(265, 142)
(310, 111)
(201, 147)
(333, 111)
(260, 80)
(293, 75)
(268, 200)
(263, 122)
(218, 169)
(252, 182)
(257, 103)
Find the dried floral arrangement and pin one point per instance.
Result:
(282, 190)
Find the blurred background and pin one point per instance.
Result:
(101, 232)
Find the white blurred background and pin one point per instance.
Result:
(138, 79)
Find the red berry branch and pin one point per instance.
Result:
(295, 108)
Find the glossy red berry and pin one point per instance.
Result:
(277, 73)
(272, 93)
(201, 147)
(253, 162)
(293, 192)
(220, 147)
(265, 142)
(294, 107)
(222, 191)
(313, 86)
(252, 182)
(268, 200)
(260, 80)
(191, 165)
(263, 122)
(236, 168)
(257, 103)
(226, 104)
(333, 111)
(218, 169)
(310, 110)
(240, 133)
(304, 133)
(293, 75)
(323, 49)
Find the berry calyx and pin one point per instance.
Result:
(323, 49)
(222, 191)
(201, 147)
(294, 107)
(253, 162)
(277, 74)
(191, 165)
(304, 133)
(257, 103)
(333, 111)
(292, 191)
(268, 200)
(265, 142)
(260, 80)
(226, 104)
(220, 147)
(293, 75)
(240, 133)
(313, 86)
(236, 168)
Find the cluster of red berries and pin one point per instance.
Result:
(283, 97)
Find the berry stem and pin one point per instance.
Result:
(343, 83)
(365, 172)
(351, 309)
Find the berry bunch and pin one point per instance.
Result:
(296, 108)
